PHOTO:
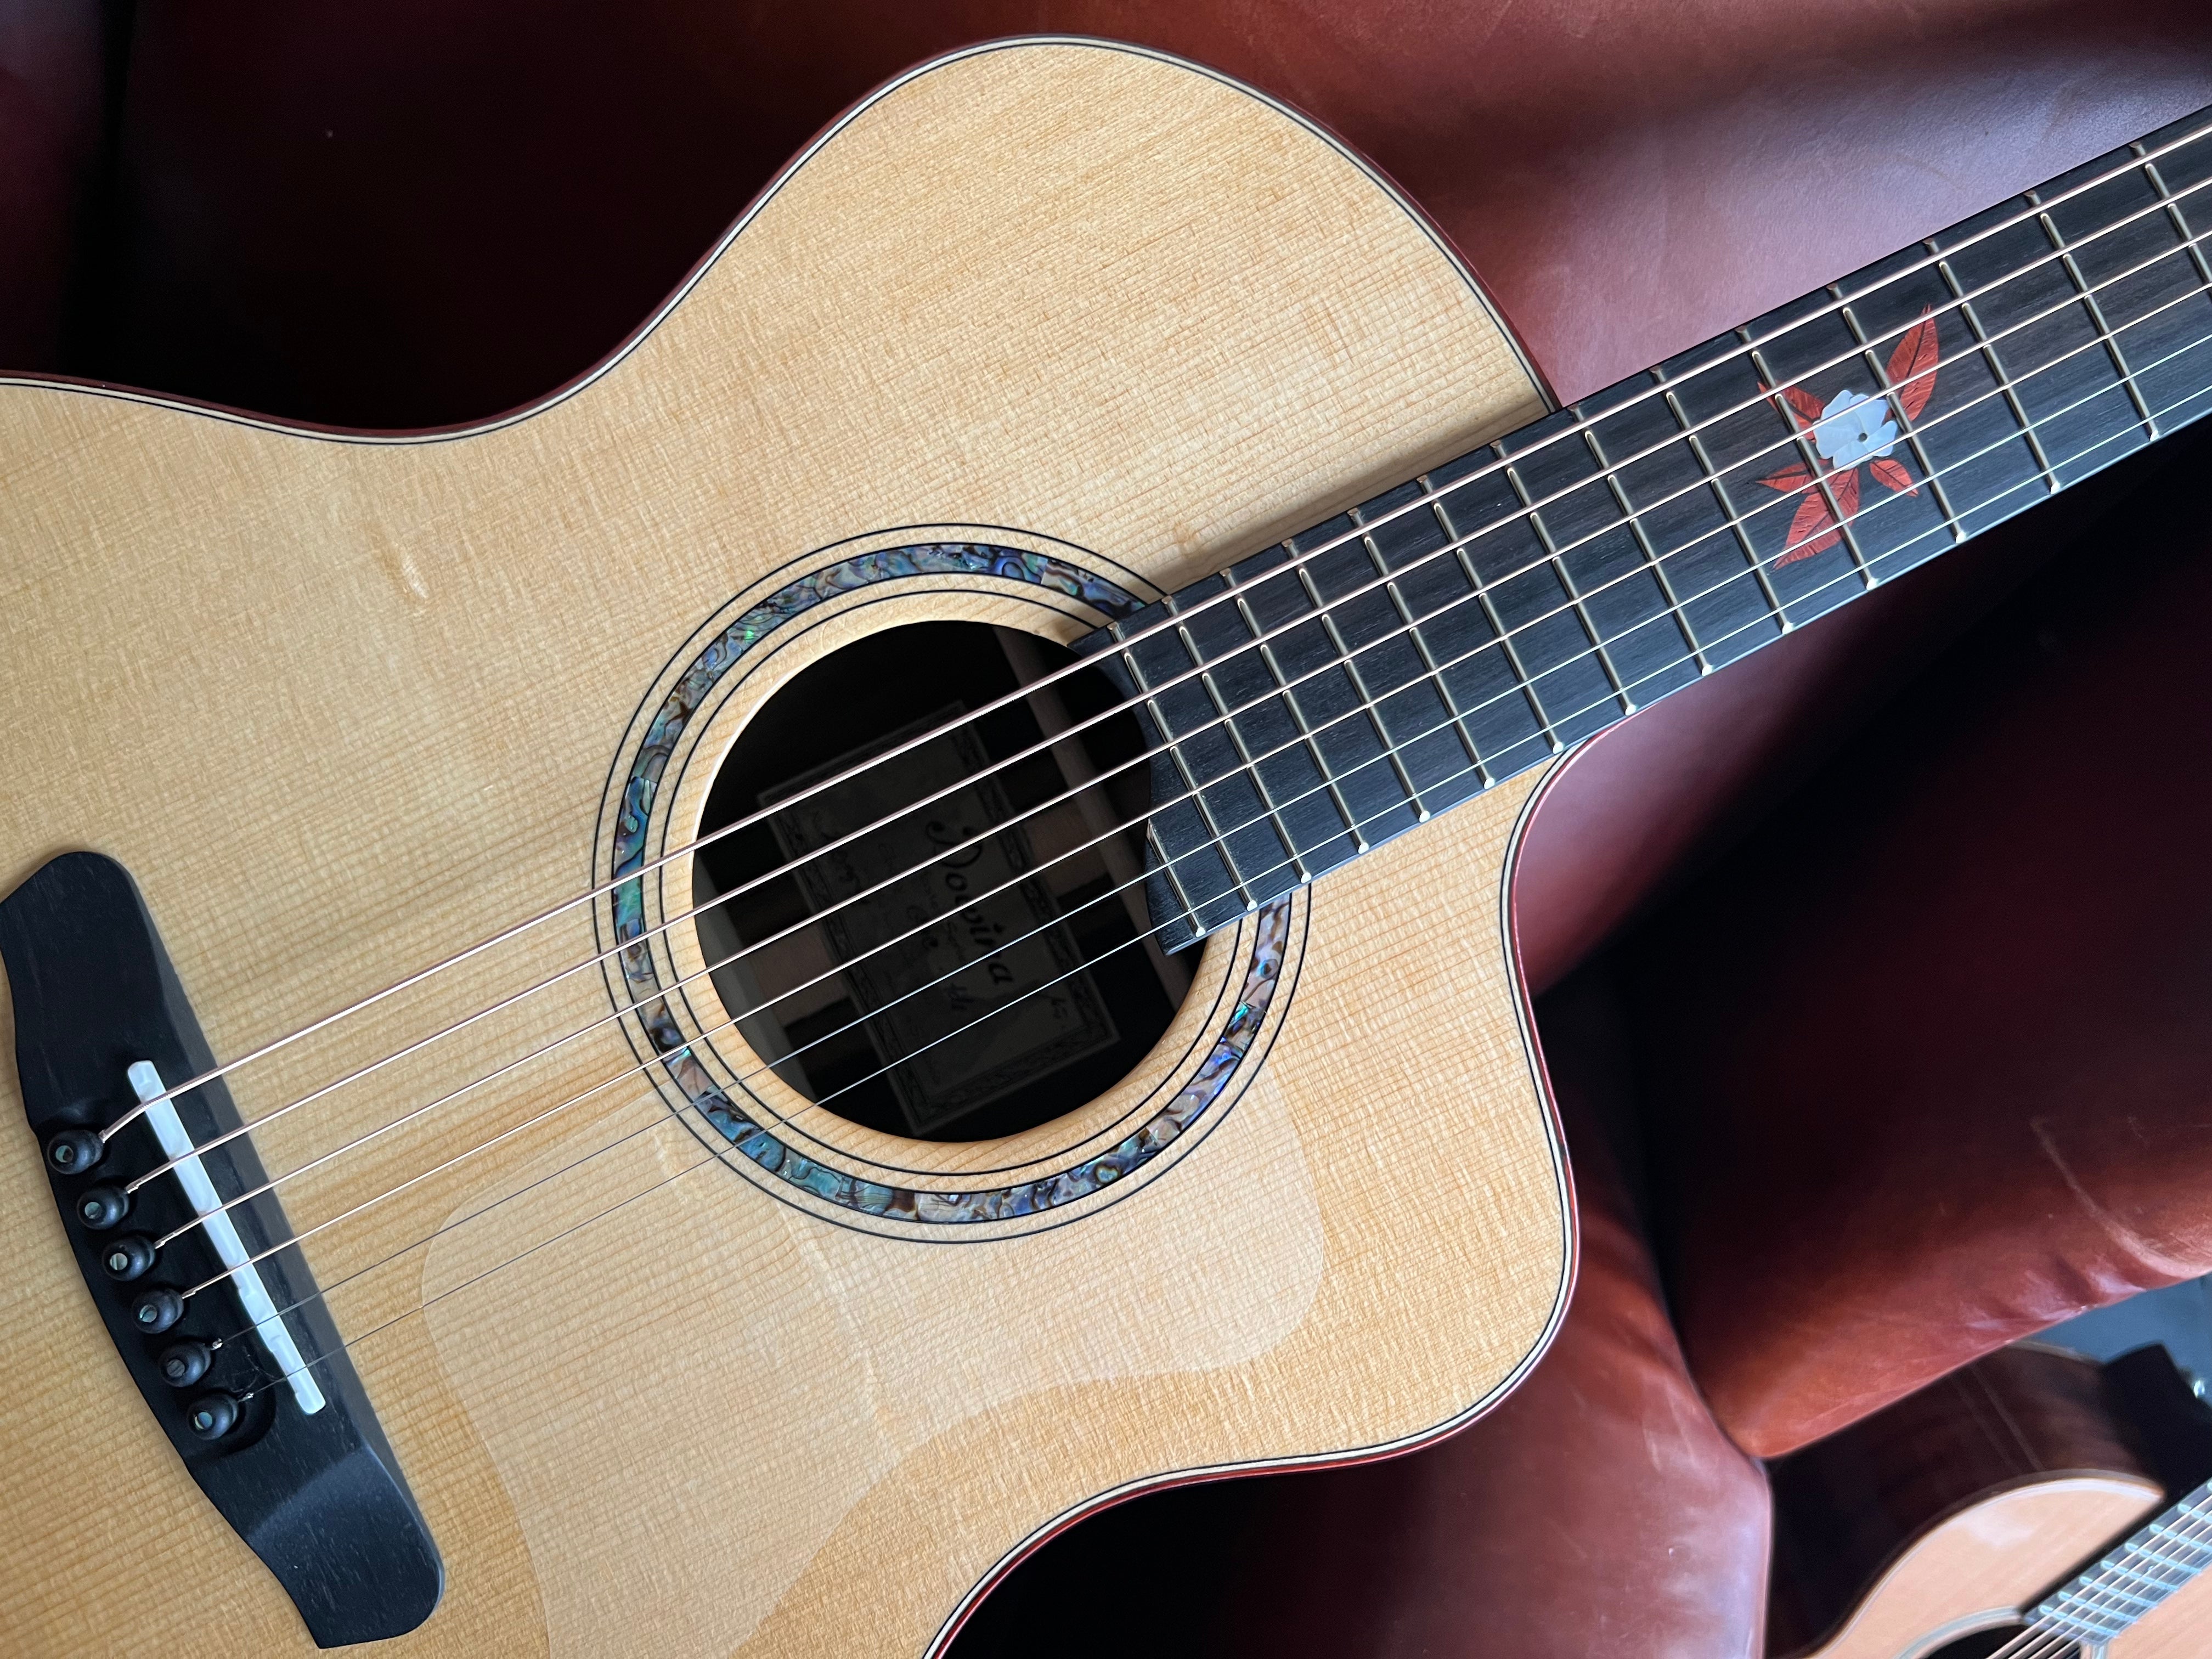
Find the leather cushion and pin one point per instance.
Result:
(422, 212)
(53, 110)
(1930, 1057)
(1597, 1511)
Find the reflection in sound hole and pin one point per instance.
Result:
(987, 989)
(1984, 1644)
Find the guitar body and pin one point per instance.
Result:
(1972, 1572)
(1929, 1529)
(342, 707)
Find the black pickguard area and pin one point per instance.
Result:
(319, 1497)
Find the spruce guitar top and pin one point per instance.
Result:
(707, 1009)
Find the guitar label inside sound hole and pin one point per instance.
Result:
(951, 943)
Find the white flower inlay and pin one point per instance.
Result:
(1854, 427)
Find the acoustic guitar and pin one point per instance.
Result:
(2033, 1505)
(688, 1018)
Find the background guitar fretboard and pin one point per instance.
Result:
(2136, 1577)
(1554, 582)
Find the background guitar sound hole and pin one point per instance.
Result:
(983, 991)
(1985, 1643)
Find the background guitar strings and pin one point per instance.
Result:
(2141, 158)
(718, 1156)
(1364, 708)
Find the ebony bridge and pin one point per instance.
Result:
(275, 1426)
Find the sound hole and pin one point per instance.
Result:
(1986, 1644)
(1003, 973)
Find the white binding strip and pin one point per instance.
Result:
(193, 1176)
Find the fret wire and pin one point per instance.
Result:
(1413, 631)
(2096, 312)
(1776, 614)
(2200, 343)
(1227, 722)
(2174, 214)
(2120, 1564)
(1820, 478)
(2011, 489)
(1995, 365)
(1194, 794)
(2114, 1571)
(2097, 1625)
(1508, 649)
(1932, 260)
(2170, 145)
(2163, 1528)
(1482, 768)
(2073, 1603)
(1165, 864)
(2110, 1603)
(1266, 649)
(1931, 473)
(2166, 1573)
(1721, 493)
(1652, 558)
(2074, 1608)
(2144, 1544)
(1567, 584)
(1712, 483)
(1359, 685)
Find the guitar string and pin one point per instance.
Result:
(2140, 159)
(1731, 520)
(1365, 708)
(717, 1156)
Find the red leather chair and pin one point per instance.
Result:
(1895, 1059)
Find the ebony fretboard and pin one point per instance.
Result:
(1483, 616)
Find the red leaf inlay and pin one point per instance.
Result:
(1893, 474)
(1912, 366)
(1813, 515)
(1790, 477)
(1846, 486)
(1808, 407)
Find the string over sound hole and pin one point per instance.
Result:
(952, 943)
(2003, 1642)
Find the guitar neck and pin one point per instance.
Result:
(1338, 689)
(2131, 1579)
